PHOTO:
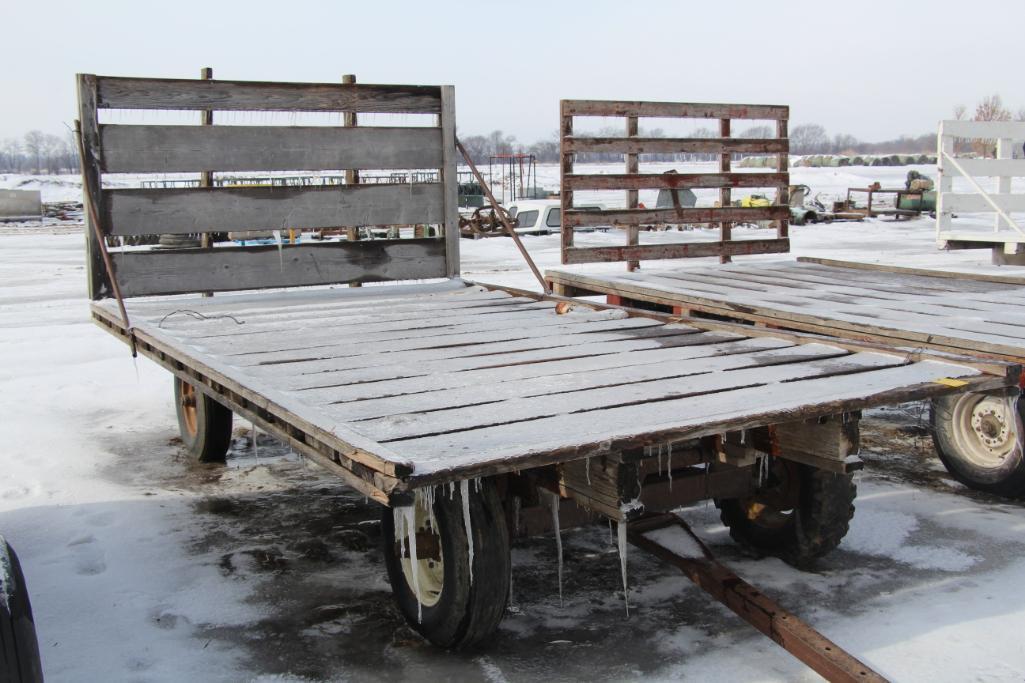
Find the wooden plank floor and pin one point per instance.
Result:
(983, 318)
(455, 381)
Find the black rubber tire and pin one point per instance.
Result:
(466, 613)
(18, 642)
(816, 525)
(1006, 480)
(212, 437)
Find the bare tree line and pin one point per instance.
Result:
(40, 153)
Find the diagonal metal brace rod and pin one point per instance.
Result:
(502, 216)
(788, 631)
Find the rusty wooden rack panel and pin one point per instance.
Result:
(633, 145)
(209, 208)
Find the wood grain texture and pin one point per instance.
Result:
(449, 179)
(641, 145)
(170, 93)
(680, 250)
(144, 273)
(487, 408)
(674, 109)
(586, 217)
(184, 149)
(223, 209)
(669, 181)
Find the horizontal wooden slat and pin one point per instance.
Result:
(168, 93)
(638, 145)
(222, 209)
(970, 201)
(681, 250)
(185, 149)
(669, 181)
(984, 129)
(687, 110)
(180, 271)
(983, 168)
(735, 214)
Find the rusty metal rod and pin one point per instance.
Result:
(501, 213)
(101, 243)
(787, 630)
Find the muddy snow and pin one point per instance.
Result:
(144, 566)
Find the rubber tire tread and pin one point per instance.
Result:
(467, 613)
(817, 526)
(1008, 481)
(213, 427)
(18, 643)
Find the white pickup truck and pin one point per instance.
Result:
(541, 216)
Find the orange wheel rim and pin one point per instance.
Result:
(188, 401)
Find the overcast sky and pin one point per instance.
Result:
(872, 69)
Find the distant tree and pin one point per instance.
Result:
(500, 143)
(960, 111)
(809, 138)
(34, 145)
(759, 132)
(846, 144)
(989, 109)
(11, 155)
(476, 146)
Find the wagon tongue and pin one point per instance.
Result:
(668, 537)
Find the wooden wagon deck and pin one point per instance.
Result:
(401, 386)
(967, 314)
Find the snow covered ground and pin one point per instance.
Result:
(142, 566)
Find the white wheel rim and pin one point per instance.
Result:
(430, 572)
(984, 429)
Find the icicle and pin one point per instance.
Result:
(669, 466)
(256, 449)
(464, 492)
(408, 516)
(612, 536)
(587, 469)
(451, 490)
(281, 253)
(621, 529)
(554, 500)
(660, 462)
(743, 436)
(517, 504)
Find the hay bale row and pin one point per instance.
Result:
(833, 161)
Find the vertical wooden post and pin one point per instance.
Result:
(632, 231)
(89, 129)
(449, 178)
(725, 194)
(945, 180)
(351, 174)
(1004, 146)
(566, 196)
(206, 178)
(783, 166)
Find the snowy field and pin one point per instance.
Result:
(144, 567)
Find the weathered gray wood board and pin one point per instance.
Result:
(173, 93)
(965, 315)
(222, 209)
(225, 269)
(444, 383)
(209, 149)
(184, 149)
